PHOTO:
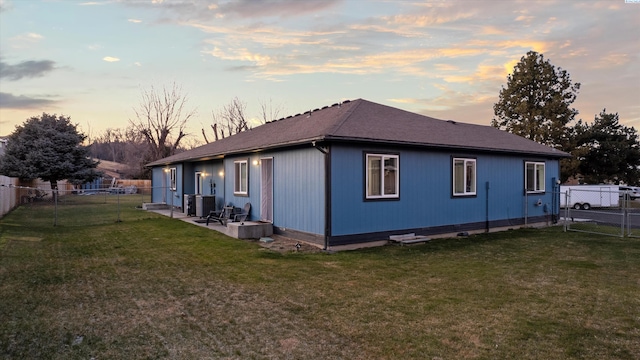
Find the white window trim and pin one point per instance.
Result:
(538, 188)
(237, 181)
(464, 174)
(397, 177)
(173, 179)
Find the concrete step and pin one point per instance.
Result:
(155, 206)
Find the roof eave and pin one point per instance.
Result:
(559, 154)
(284, 144)
(220, 155)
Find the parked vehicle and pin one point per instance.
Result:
(632, 191)
(586, 197)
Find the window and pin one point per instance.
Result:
(464, 177)
(534, 176)
(241, 180)
(173, 179)
(382, 176)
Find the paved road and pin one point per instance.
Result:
(606, 216)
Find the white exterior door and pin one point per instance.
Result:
(266, 189)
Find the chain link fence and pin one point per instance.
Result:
(633, 222)
(79, 207)
(602, 210)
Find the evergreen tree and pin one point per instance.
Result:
(612, 151)
(50, 148)
(577, 137)
(536, 103)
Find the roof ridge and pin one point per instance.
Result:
(362, 120)
(345, 117)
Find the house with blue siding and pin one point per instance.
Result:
(357, 172)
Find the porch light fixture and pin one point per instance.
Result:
(221, 173)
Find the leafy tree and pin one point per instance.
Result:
(610, 151)
(161, 118)
(536, 103)
(48, 147)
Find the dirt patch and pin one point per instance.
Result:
(284, 244)
(24, 238)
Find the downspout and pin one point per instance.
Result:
(526, 208)
(555, 201)
(327, 193)
(487, 209)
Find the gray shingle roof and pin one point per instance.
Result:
(364, 121)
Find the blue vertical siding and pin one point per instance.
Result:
(425, 189)
(160, 183)
(298, 188)
(426, 192)
(214, 182)
(187, 174)
(177, 194)
(157, 189)
(253, 193)
(212, 179)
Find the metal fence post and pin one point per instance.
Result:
(625, 217)
(172, 191)
(567, 211)
(55, 207)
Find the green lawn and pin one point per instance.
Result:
(151, 287)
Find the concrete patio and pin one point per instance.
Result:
(254, 230)
(238, 230)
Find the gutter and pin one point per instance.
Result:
(552, 153)
(327, 192)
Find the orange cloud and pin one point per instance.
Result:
(491, 30)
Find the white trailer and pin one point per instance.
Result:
(586, 197)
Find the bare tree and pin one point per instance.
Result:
(216, 120)
(268, 112)
(112, 140)
(233, 115)
(135, 154)
(161, 118)
(127, 147)
(232, 118)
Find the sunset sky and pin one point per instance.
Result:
(90, 60)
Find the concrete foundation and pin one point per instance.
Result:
(249, 229)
